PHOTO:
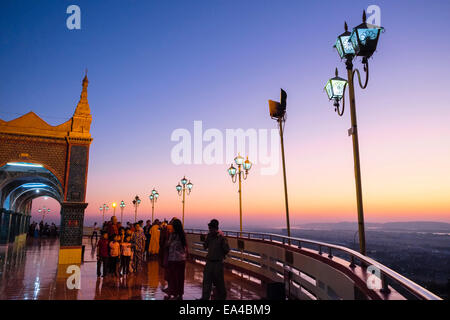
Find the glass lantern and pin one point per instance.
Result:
(364, 38)
(335, 87)
(343, 44)
(239, 160)
(247, 164)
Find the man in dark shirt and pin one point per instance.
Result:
(218, 248)
(147, 236)
(113, 229)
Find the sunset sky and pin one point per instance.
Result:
(157, 66)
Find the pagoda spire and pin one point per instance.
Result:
(83, 104)
(82, 118)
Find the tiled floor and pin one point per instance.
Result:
(30, 271)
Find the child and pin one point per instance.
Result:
(115, 255)
(102, 255)
(126, 255)
(121, 234)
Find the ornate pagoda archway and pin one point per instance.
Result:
(39, 159)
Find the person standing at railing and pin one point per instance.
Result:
(218, 248)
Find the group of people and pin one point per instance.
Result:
(123, 250)
(42, 229)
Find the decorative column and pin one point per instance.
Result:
(18, 228)
(71, 233)
(73, 206)
(5, 226)
(1, 218)
(12, 227)
(27, 226)
(21, 224)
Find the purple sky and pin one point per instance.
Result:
(155, 66)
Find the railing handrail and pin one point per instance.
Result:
(408, 284)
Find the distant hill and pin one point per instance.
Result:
(410, 226)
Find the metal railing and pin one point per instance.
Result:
(388, 276)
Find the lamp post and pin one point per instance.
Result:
(136, 203)
(278, 112)
(181, 189)
(238, 175)
(122, 206)
(153, 197)
(114, 205)
(362, 41)
(103, 210)
(43, 215)
(43, 211)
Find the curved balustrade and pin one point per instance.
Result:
(309, 269)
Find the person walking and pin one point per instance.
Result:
(36, 230)
(176, 261)
(218, 248)
(103, 255)
(94, 232)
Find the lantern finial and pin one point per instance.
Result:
(345, 26)
(364, 16)
(336, 72)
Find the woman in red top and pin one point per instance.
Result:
(103, 255)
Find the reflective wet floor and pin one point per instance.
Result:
(29, 270)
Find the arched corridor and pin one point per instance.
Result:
(20, 184)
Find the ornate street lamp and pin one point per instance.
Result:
(278, 112)
(122, 207)
(362, 41)
(103, 210)
(44, 211)
(181, 189)
(114, 205)
(153, 198)
(136, 202)
(239, 173)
